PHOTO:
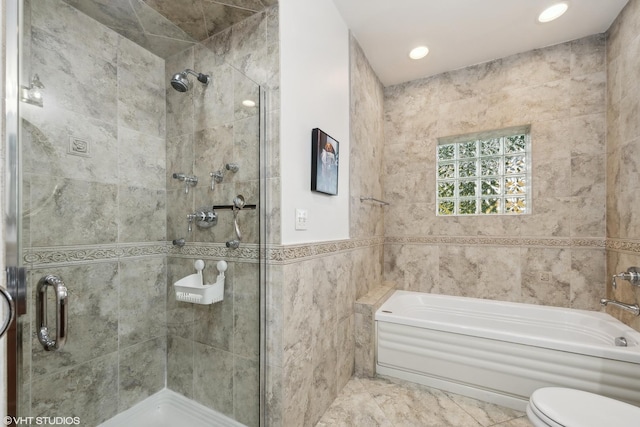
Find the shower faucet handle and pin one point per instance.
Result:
(189, 180)
(216, 177)
(632, 275)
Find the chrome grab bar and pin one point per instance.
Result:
(61, 312)
(373, 199)
(12, 311)
(232, 207)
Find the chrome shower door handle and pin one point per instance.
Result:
(12, 311)
(61, 312)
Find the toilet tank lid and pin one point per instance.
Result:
(569, 407)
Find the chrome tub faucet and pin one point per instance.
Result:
(633, 308)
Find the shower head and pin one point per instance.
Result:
(180, 81)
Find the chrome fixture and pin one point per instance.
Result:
(217, 176)
(180, 81)
(203, 217)
(189, 181)
(620, 341)
(238, 201)
(11, 308)
(633, 308)
(33, 93)
(239, 204)
(232, 207)
(233, 244)
(364, 199)
(61, 312)
(178, 242)
(632, 276)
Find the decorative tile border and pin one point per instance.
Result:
(281, 254)
(623, 245)
(65, 255)
(291, 253)
(246, 253)
(90, 253)
(498, 241)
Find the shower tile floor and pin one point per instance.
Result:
(394, 403)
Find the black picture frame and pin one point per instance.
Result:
(324, 163)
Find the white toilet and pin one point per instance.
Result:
(565, 407)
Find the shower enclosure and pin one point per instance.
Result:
(107, 111)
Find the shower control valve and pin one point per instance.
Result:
(189, 180)
(203, 217)
(632, 275)
(216, 177)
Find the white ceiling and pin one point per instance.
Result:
(460, 33)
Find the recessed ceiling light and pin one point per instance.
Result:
(553, 12)
(419, 52)
(248, 103)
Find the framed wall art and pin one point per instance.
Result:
(324, 163)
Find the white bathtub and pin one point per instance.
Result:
(501, 352)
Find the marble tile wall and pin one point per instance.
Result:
(96, 216)
(556, 255)
(312, 290)
(365, 329)
(367, 146)
(139, 22)
(623, 140)
(213, 351)
(312, 357)
(167, 27)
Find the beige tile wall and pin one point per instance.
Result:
(623, 142)
(312, 290)
(555, 256)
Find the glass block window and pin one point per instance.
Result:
(484, 174)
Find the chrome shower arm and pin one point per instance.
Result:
(202, 78)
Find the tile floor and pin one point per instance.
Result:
(395, 403)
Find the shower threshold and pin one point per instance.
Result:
(169, 409)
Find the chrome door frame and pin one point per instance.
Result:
(15, 273)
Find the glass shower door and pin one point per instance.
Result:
(102, 132)
(93, 213)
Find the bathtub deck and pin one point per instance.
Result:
(169, 409)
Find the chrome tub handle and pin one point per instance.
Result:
(61, 312)
(12, 311)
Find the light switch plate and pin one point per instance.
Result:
(302, 219)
